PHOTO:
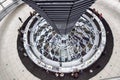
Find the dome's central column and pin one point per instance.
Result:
(61, 14)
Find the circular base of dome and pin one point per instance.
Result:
(88, 70)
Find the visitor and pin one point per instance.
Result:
(100, 16)
(47, 71)
(19, 31)
(72, 74)
(91, 71)
(25, 54)
(76, 74)
(94, 10)
(56, 74)
(20, 19)
(61, 74)
(34, 12)
(31, 14)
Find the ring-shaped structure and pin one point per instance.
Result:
(65, 53)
